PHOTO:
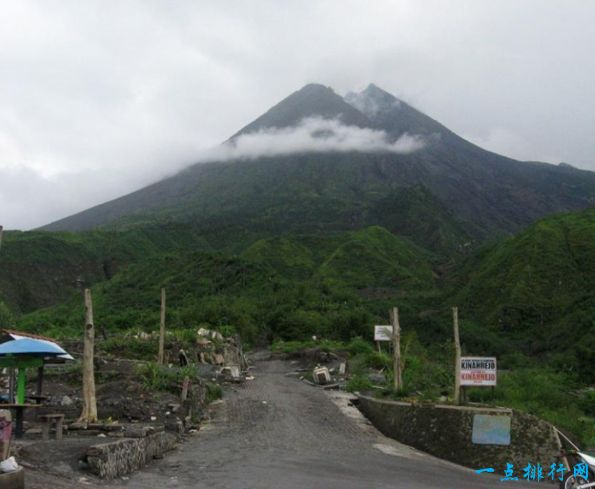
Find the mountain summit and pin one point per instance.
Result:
(313, 100)
(440, 196)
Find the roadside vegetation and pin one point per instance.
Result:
(528, 300)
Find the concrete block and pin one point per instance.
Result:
(321, 375)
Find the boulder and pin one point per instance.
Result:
(66, 401)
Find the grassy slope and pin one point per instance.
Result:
(539, 289)
(39, 269)
(286, 287)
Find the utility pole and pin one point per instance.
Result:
(455, 322)
(161, 355)
(398, 377)
(89, 414)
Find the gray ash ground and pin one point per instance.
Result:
(278, 432)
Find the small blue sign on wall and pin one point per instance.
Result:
(491, 430)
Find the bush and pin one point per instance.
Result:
(160, 378)
(378, 360)
(130, 347)
(214, 392)
(155, 377)
(359, 383)
(358, 346)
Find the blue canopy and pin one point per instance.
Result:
(31, 347)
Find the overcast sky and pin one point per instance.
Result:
(98, 98)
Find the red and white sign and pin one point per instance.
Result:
(478, 371)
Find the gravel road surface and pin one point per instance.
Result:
(277, 432)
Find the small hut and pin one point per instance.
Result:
(20, 351)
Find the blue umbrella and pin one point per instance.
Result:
(31, 347)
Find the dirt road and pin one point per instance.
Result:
(277, 432)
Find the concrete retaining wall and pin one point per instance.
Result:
(111, 460)
(446, 432)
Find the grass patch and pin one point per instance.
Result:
(214, 392)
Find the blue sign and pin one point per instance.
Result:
(491, 430)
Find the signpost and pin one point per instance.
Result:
(397, 370)
(383, 333)
(478, 371)
(455, 323)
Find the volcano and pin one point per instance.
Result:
(442, 193)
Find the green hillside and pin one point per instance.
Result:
(289, 287)
(375, 257)
(538, 289)
(529, 300)
(39, 269)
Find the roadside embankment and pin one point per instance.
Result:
(447, 432)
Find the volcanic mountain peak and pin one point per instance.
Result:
(372, 108)
(313, 100)
(301, 190)
(372, 101)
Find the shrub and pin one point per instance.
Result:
(214, 392)
(359, 383)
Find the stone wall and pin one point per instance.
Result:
(115, 459)
(446, 432)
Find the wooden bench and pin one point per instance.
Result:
(46, 423)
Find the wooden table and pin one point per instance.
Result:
(19, 410)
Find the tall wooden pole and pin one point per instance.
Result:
(89, 414)
(398, 378)
(161, 355)
(455, 322)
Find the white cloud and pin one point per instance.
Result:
(313, 135)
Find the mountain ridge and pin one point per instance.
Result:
(487, 193)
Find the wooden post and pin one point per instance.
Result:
(11, 385)
(39, 390)
(455, 322)
(185, 387)
(89, 414)
(161, 355)
(398, 379)
(1, 231)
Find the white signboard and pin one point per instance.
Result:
(383, 333)
(478, 371)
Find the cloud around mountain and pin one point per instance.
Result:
(316, 135)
